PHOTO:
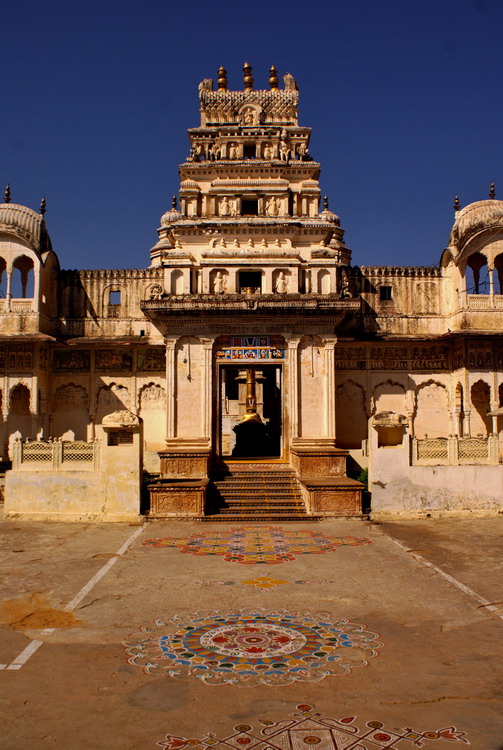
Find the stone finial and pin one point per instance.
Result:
(456, 203)
(43, 207)
(248, 78)
(173, 203)
(325, 203)
(273, 78)
(492, 191)
(6, 195)
(222, 79)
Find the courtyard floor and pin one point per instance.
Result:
(343, 634)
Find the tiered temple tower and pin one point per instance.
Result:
(252, 285)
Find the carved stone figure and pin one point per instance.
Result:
(345, 290)
(272, 206)
(219, 283)
(232, 151)
(284, 151)
(225, 208)
(281, 283)
(155, 292)
(268, 151)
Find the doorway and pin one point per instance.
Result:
(263, 437)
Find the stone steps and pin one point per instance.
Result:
(252, 494)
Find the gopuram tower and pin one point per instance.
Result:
(255, 295)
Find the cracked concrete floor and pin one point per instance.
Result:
(430, 591)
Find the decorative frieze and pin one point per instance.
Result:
(403, 358)
(71, 360)
(16, 357)
(151, 359)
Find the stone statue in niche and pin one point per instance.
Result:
(225, 208)
(155, 292)
(345, 290)
(268, 151)
(281, 284)
(232, 151)
(214, 152)
(272, 206)
(284, 151)
(302, 152)
(219, 283)
(249, 117)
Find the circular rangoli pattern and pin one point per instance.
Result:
(252, 647)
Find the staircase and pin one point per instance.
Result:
(252, 493)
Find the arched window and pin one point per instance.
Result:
(3, 278)
(498, 276)
(23, 282)
(477, 277)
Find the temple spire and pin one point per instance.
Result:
(456, 203)
(325, 203)
(6, 197)
(173, 203)
(248, 78)
(492, 191)
(43, 208)
(273, 78)
(222, 79)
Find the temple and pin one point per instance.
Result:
(251, 372)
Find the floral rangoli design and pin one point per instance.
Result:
(252, 545)
(249, 647)
(309, 727)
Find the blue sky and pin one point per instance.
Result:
(404, 98)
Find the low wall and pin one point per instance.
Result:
(399, 489)
(68, 492)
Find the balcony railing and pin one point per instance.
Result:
(55, 455)
(484, 301)
(455, 451)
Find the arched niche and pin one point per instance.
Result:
(152, 409)
(351, 416)
(176, 281)
(20, 418)
(70, 416)
(110, 398)
(431, 417)
(480, 396)
(389, 396)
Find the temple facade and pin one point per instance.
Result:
(251, 371)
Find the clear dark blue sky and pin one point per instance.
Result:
(404, 98)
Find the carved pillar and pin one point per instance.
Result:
(208, 386)
(466, 423)
(330, 385)
(491, 281)
(293, 385)
(170, 386)
(8, 289)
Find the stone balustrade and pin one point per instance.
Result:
(55, 455)
(455, 451)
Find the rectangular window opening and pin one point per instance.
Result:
(249, 151)
(114, 298)
(249, 207)
(385, 293)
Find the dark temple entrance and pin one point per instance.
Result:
(250, 430)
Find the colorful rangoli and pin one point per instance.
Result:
(251, 545)
(312, 728)
(249, 647)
